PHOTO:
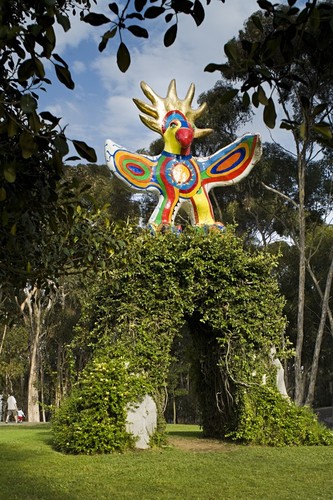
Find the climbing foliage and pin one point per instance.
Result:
(139, 302)
(92, 420)
(267, 418)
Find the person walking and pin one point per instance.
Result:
(11, 408)
(20, 416)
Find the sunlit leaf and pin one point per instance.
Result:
(60, 143)
(323, 129)
(257, 22)
(106, 37)
(302, 130)
(262, 96)
(10, 173)
(27, 144)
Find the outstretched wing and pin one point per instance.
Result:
(134, 169)
(232, 163)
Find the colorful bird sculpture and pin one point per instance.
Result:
(179, 178)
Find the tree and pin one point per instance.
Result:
(288, 50)
(33, 144)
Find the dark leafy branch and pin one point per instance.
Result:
(279, 40)
(123, 18)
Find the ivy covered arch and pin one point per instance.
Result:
(230, 299)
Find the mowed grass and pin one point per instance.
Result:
(31, 469)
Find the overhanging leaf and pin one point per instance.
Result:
(114, 8)
(246, 100)
(153, 12)
(123, 57)
(270, 114)
(170, 35)
(46, 115)
(211, 67)
(96, 19)
(28, 104)
(63, 21)
(85, 151)
(231, 51)
(138, 31)
(198, 13)
(319, 109)
(139, 4)
(64, 76)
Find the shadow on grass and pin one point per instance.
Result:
(187, 434)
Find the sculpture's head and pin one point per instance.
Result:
(172, 117)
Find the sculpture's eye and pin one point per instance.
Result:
(173, 124)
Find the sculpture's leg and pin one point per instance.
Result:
(203, 210)
(164, 212)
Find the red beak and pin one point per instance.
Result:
(185, 137)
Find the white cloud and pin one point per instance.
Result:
(157, 65)
(101, 105)
(78, 67)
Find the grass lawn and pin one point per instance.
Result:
(190, 468)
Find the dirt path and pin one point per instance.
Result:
(199, 444)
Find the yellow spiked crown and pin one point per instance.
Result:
(155, 112)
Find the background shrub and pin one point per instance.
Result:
(93, 418)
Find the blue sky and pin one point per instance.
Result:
(101, 107)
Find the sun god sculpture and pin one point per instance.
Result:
(179, 179)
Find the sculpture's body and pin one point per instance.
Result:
(178, 177)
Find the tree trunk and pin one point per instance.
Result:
(299, 376)
(320, 334)
(321, 295)
(3, 336)
(37, 304)
(33, 405)
(174, 407)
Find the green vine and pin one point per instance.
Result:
(140, 301)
